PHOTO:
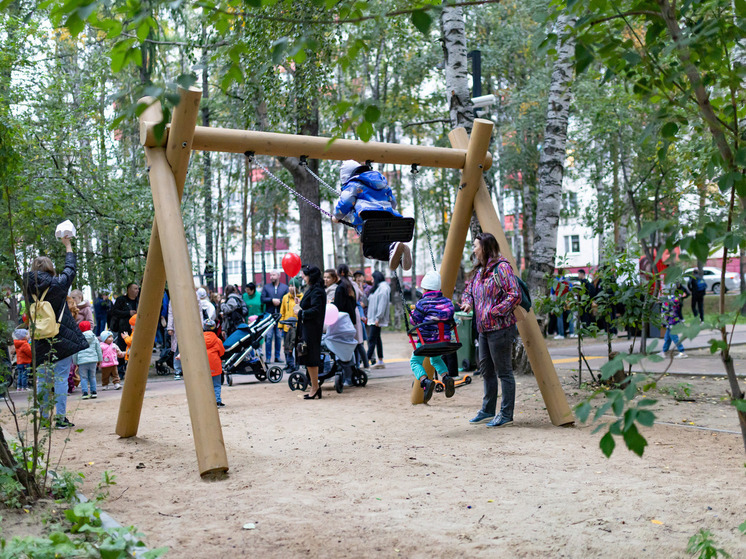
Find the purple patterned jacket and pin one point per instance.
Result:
(493, 296)
(433, 306)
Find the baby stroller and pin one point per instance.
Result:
(165, 363)
(337, 354)
(243, 351)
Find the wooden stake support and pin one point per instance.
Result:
(533, 340)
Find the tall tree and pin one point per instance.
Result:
(552, 160)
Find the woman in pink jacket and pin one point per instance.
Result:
(493, 293)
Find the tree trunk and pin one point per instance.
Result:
(311, 241)
(458, 97)
(207, 169)
(551, 162)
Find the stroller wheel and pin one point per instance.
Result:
(229, 378)
(338, 383)
(260, 375)
(297, 381)
(359, 378)
(274, 374)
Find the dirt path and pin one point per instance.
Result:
(365, 473)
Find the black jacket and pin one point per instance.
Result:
(70, 339)
(345, 302)
(270, 292)
(313, 309)
(120, 314)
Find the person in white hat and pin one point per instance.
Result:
(432, 307)
(365, 190)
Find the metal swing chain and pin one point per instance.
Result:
(322, 182)
(419, 202)
(407, 312)
(290, 189)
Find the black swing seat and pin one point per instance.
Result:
(382, 227)
(433, 349)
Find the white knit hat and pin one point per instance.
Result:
(431, 281)
(201, 293)
(346, 170)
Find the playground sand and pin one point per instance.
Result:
(364, 474)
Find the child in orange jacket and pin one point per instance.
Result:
(128, 337)
(23, 357)
(215, 351)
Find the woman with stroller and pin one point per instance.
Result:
(311, 311)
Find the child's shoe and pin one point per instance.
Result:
(428, 386)
(221, 405)
(450, 388)
(94, 395)
(85, 396)
(395, 255)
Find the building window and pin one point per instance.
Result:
(569, 205)
(572, 243)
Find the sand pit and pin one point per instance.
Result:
(364, 473)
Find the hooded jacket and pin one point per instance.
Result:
(215, 351)
(84, 312)
(368, 191)
(92, 354)
(70, 339)
(23, 352)
(433, 307)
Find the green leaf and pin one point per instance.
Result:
(669, 130)
(740, 405)
(607, 444)
(422, 21)
(582, 411)
(645, 417)
(742, 527)
(365, 131)
(372, 113)
(635, 441)
(740, 8)
(278, 50)
(583, 57)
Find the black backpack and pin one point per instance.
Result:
(525, 295)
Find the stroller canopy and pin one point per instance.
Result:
(340, 337)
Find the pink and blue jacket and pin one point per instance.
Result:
(493, 293)
(433, 306)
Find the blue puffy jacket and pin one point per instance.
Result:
(368, 191)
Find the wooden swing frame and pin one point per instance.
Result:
(168, 160)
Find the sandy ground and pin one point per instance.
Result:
(364, 473)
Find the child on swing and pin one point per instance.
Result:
(365, 190)
(432, 307)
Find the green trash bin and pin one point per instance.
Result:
(467, 355)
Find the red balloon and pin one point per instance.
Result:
(291, 264)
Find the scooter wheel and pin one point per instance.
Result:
(439, 387)
(467, 380)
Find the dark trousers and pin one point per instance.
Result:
(374, 341)
(361, 357)
(698, 305)
(377, 251)
(496, 361)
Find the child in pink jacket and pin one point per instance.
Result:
(110, 354)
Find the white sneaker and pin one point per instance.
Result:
(395, 255)
(573, 336)
(663, 354)
(117, 386)
(106, 387)
(559, 337)
(681, 355)
(379, 365)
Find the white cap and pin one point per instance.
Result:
(431, 281)
(345, 171)
(201, 293)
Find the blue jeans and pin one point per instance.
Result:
(275, 334)
(216, 387)
(419, 371)
(177, 363)
(22, 380)
(87, 372)
(561, 324)
(496, 356)
(672, 338)
(54, 374)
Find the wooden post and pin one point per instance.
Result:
(178, 152)
(533, 340)
(203, 410)
(471, 178)
(316, 147)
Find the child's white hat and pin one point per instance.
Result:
(201, 293)
(431, 281)
(346, 170)
(105, 336)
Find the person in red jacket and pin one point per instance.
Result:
(215, 351)
(23, 358)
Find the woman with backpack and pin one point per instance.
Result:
(56, 336)
(493, 292)
(233, 311)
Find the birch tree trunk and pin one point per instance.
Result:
(551, 162)
(207, 169)
(453, 30)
